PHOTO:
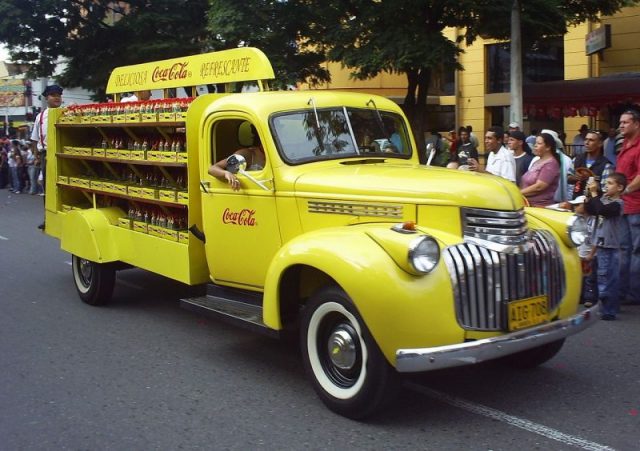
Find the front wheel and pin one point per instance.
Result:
(533, 357)
(94, 281)
(349, 372)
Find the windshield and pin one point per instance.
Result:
(339, 132)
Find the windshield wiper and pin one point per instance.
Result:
(379, 120)
(316, 127)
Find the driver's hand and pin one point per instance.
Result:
(233, 180)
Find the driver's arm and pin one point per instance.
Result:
(219, 169)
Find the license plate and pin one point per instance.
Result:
(528, 312)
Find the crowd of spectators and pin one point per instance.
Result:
(19, 167)
(584, 179)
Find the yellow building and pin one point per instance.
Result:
(564, 86)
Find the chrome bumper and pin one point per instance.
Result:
(468, 353)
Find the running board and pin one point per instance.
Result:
(238, 307)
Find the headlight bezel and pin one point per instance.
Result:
(421, 248)
(577, 230)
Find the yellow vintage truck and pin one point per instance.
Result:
(379, 265)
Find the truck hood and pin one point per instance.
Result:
(410, 184)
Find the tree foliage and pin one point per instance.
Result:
(34, 32)
(371, 36)
(401, 37)
(540, 18)
(367, 36)
(277, 28)
(94, 36)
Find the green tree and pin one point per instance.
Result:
(34, 32)
(398, 37)
(539, 18)
(93, 36)
(371, 36)
(278, 28)
(531, 22)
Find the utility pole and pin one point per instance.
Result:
(516, 65)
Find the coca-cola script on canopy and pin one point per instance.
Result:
(176, 72)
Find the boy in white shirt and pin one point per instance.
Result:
(500, 160)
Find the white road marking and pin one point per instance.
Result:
(4, 238)
(68, 263)
(511, 420)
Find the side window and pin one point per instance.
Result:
(237, 136)
(224, 139)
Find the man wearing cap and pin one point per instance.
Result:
(53, 96)
(578, 141)
(514, 127)
(519, 147)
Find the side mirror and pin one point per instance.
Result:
(236, 163)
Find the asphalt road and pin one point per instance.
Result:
(142, 374)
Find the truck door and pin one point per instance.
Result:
(241, 227)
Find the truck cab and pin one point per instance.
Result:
(376, 264)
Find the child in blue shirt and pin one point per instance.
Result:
(610, 239)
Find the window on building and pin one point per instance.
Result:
(440, 117)
(544, 61)
(500, 116)
(442, 81)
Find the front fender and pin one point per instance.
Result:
(398, 307)
(87, 233)
(557, 220)
(541, 218)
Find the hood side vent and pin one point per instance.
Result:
(356, 209)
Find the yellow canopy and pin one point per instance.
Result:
(226, 66)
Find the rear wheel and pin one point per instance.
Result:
(533, 357)
(349, 372)
(94, 281)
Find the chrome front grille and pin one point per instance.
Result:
(504, 231)
(485, 281)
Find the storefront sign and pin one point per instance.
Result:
(599, 39)
(11, 93)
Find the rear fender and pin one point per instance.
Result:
(87, 234)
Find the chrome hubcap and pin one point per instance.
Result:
(342, 349)
(85, 271)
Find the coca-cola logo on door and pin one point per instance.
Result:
(244, 217)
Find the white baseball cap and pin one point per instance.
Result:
(578, 200)
(554, 134)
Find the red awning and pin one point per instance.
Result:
(585, 96)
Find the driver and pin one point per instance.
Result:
(253, 153)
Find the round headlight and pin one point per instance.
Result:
(424, 254)
(577, 229)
